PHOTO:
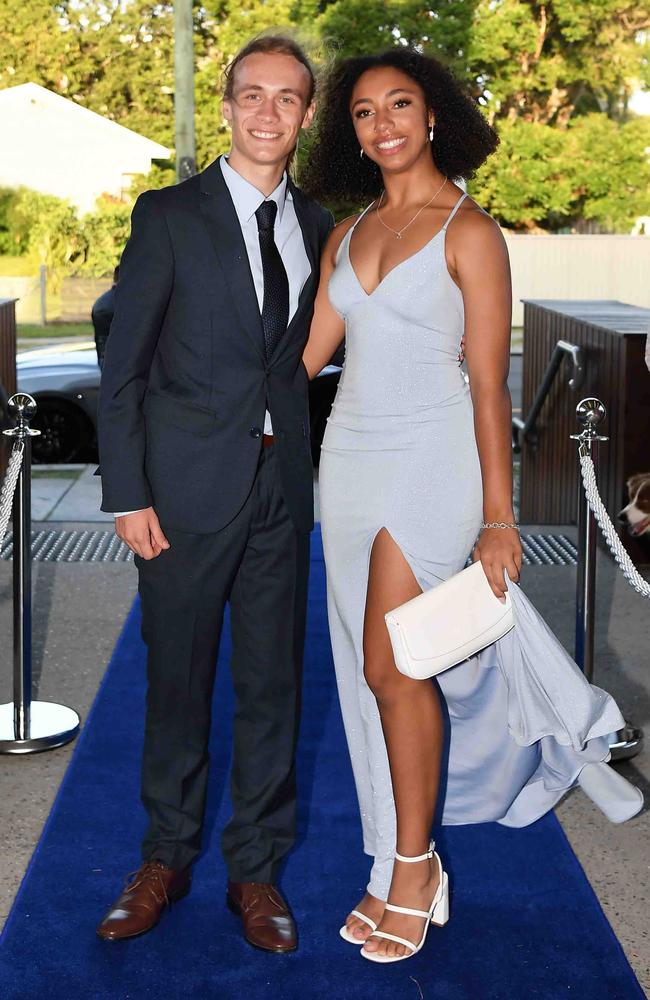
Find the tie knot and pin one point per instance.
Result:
(265, 215)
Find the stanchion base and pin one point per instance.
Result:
(626, 743)
(50, 726)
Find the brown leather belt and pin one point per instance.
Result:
(267, 440)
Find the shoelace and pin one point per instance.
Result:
(150, 877)
(263, 890)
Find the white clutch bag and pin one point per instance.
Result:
(445, 625)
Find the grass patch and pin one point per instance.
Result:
(30, 331)
(59, 474)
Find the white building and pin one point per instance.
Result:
(52, 145)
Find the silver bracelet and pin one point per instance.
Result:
(498, 524)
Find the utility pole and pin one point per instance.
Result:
(184, 89)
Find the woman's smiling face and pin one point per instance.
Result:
(390, 117)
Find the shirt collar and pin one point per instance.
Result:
(246, 197)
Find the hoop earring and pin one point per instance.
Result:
(361, 152)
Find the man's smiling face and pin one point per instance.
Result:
(268, 107)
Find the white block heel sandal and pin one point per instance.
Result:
(345, 934)
(438, 913)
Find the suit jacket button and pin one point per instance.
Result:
(255, 432)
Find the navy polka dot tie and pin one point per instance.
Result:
(275, 308)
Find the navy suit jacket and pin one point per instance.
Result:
(186, 382)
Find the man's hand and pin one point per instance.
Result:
(142, 533)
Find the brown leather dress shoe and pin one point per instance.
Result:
(268, 924)
(153, 887)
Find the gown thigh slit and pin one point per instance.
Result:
(399, 453)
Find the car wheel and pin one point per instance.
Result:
(66, 433)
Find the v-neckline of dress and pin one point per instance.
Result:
(396, 267)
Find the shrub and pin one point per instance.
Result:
(105, 231)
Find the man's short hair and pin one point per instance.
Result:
(275, 44)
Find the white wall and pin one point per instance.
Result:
(28, 292)
(579, 267)
(58, 148)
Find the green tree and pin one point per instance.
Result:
(555, 77)
(611, 170)
(525, 181)
(546, 61)
(48, 229)
(113, 57)
(105, 231)
(353, 27)
(33, 46)
(544, 178)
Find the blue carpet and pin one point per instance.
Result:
(524, 920)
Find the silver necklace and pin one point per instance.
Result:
(398, 232)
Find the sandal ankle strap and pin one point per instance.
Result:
(421, 857)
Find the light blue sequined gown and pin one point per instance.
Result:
(400, 453)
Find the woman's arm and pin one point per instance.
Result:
(327, 327)
(480, 260)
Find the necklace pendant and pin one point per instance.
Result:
(398, 236)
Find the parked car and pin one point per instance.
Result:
(64, 381)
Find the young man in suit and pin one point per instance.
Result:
(205, 459)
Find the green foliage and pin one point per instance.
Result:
(18, 267)
(525, 180)
(547, 61)
(114, 57)
(356, 27)
(543, 177)
(611, 169)
(555, 77)
(162, 174)
(47, 228)
(105, 231)
(34, 331)
(7, 245)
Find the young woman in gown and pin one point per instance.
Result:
(416, 474)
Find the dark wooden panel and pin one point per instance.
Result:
(612, 335)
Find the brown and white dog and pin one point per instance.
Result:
(637, 512)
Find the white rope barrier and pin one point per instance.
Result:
(625, 564)
(9, 487)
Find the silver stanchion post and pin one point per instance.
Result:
(590, 413)
(27, 726)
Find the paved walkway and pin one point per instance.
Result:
(67, 493)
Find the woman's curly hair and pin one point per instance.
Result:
(462, 138)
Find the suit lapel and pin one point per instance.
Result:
(228, 242)
(225, 233)
(310, 239)
(309, 230)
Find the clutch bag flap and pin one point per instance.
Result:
(447, 624)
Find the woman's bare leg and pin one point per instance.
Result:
(412, 722)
